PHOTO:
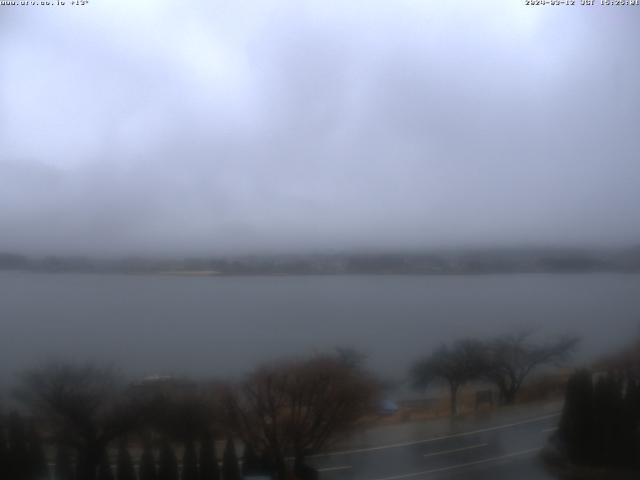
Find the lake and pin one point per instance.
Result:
(223, 326)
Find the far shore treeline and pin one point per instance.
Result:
(446, 261)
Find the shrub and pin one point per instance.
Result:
(63, 469)
(147, 463)
(600, 421)
(167, 463)
(208, 460)
(125, 464)
(104, 467)
(230, 469)
(189, 462)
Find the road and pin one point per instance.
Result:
(501, 447)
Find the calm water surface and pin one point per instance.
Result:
(223, 326)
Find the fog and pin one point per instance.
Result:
(214, 127)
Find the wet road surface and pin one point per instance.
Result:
(498, 449)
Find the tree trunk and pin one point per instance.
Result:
(508, 393)
(281, 467)
(509, 396)
(302, 471)
(454, 399)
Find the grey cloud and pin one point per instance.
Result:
(290, 126)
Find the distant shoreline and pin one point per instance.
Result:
(211, 274)
(189, 273)
(460, 262)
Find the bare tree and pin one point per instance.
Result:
(458, 364)
(625, 361)
(186, 410)
(511, 358)
(85, 407)
(297, 407)
(351, 357)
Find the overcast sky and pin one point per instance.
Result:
(204, 127)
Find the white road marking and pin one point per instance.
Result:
(461, 465)
(552, 429)
(445, 452)
(435, 439)
(334, 469)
